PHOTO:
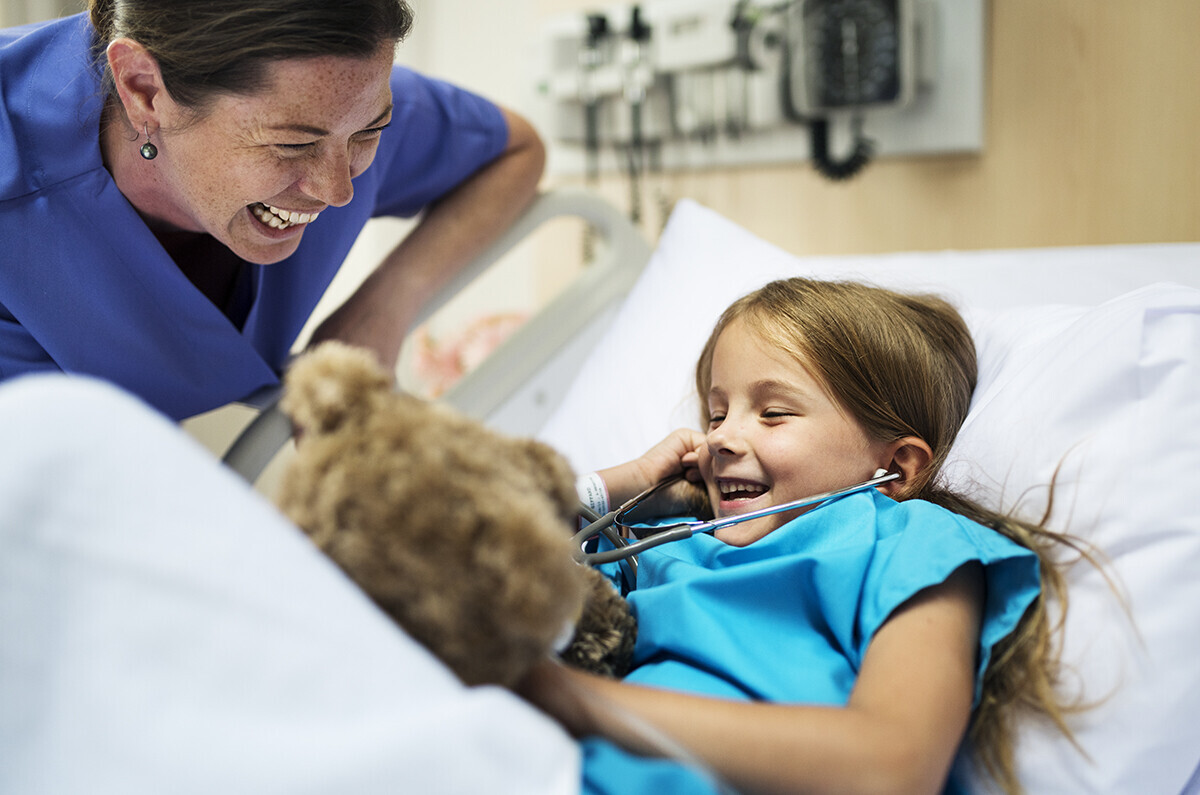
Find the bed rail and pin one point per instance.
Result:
(516, 387)
(519, 385)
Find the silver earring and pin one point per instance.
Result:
(149, 151)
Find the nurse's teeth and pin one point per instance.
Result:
(293, 217)
(281, 219)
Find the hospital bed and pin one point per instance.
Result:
(1089, 375)
(1089, 363)
(1089, 366)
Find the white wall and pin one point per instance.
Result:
(487, 47)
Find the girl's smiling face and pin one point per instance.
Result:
(255, 170)
(775, 435)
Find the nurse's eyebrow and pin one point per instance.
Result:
(320, 132)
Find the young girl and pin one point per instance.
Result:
(846, 647)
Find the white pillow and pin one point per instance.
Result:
(1078, 367)
(1112, 401)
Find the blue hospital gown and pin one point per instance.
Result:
(789, 617)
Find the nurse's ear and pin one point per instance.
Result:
(139, 83)
(909, 457)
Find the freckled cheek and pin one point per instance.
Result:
(216, 200)
(273, 181)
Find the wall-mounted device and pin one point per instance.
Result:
(845, 56)
(732, 82)
(850, 55)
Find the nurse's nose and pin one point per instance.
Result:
(329, 180)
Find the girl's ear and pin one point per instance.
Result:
(909, 457)
(138, 82)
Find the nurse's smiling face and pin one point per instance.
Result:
(254, 170)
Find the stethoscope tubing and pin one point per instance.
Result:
(625, 549)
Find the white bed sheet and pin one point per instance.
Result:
(1089, 357)
(164, 629)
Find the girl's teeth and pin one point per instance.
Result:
(742, 489)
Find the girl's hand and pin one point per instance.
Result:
(674, 455)
(677, 454)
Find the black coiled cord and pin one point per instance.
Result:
(825, 164)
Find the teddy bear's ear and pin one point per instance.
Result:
(330, 384)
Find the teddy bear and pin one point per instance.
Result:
(462, 535)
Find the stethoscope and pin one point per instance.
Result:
(617, 525)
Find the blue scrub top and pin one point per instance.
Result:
(85, 287)
(788, 618)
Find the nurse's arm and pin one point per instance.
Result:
(454, 230)
(898, 733)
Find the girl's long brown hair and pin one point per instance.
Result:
(904, 365)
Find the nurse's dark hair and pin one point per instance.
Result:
(904, 365)
(216, 47)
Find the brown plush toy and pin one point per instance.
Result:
(459, 533)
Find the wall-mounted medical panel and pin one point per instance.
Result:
(679, 84)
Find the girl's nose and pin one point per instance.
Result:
(726, 439)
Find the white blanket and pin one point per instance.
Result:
(163, 629)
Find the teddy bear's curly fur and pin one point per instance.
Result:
(459, 533)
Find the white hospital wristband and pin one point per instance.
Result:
(593, 493)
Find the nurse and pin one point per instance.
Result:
(180, 182)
